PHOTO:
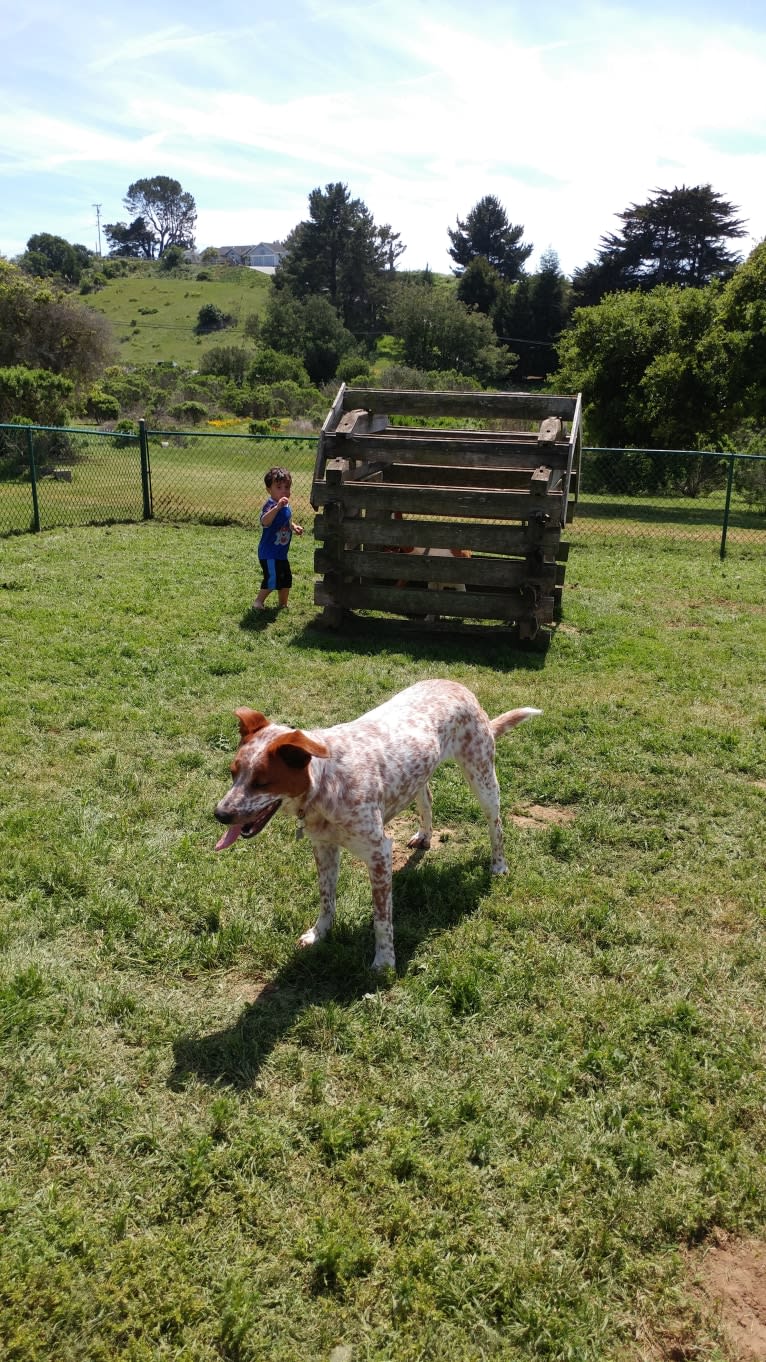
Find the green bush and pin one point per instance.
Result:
(101, 405)
(192, 412)
(354, 369)
(271, 366)
(34, 395)
(257, 427)
(211, 318)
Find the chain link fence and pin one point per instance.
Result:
(58, 477)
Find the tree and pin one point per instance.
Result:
(652, 368)
(438, 332)
(743, 316)
(531, 314)
(339, 254)
(679, 236)
(487, 231)
(52, 255)
(308, 329)
(43, 328)
(134, 240)
(479, 285)
(169, 211)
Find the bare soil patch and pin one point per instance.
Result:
(542, 815)
(733, 1280)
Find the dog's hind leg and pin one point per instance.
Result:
(424, 804)
(483, 781)
(327, 860)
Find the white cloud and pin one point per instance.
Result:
(566, 113)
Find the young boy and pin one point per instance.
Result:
(277, 529)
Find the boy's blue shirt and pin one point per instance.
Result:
(275, 538)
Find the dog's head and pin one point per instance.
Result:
(271, 765)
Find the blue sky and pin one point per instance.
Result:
(566, 112)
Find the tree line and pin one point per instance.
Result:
(663, 331)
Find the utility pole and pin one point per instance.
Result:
(97, 207)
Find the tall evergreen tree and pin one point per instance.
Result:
(530, 315)
(680, 236)
(338, 253)
(487, 232)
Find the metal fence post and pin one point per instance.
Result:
(727, 504)
(146, 475)
(33, 480)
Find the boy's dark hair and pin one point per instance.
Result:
(277, 475)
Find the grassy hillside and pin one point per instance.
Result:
(154, 314)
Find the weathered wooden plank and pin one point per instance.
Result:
(550, 430)
(499, 573)
(511, 605)
(440, 501)
(488, 406)
(469, 453)
(540, 481)
(360, 422)
(506, 539)
(417, 475)
(332, 417)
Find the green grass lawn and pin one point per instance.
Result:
(214, 1146)
(154, 315)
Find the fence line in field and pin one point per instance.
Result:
(54, 476)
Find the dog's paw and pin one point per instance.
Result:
(499, 868)
(420, 842)
(309, 938)
(384, 961)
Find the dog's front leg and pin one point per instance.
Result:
(380, 867)
(327, 860)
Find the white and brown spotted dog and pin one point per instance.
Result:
(345, 783)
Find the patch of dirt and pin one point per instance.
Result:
(733, 1279)
(400, 830)
(541, 815)
(243, 989)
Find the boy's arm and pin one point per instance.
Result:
(268, 516)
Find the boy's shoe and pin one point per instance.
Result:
(257, 605)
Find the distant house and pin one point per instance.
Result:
(265, 256)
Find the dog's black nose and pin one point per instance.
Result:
(224, 817)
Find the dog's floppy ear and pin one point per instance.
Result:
(296, 749)
(250, 720)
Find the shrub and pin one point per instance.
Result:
(270, 366)
(34, 395)
(101, 405)
(192, 412)
(230, 361)
(258, 427)
(211, 318)
(353, 368)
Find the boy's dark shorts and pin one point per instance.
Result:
(276, 573)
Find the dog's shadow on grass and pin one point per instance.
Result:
(429, 899)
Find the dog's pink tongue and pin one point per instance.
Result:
(229, 836)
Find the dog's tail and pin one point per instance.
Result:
(503, 722)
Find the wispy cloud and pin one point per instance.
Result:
(566, 113)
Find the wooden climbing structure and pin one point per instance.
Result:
(479, 513)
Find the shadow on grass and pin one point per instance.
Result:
(428, 900)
